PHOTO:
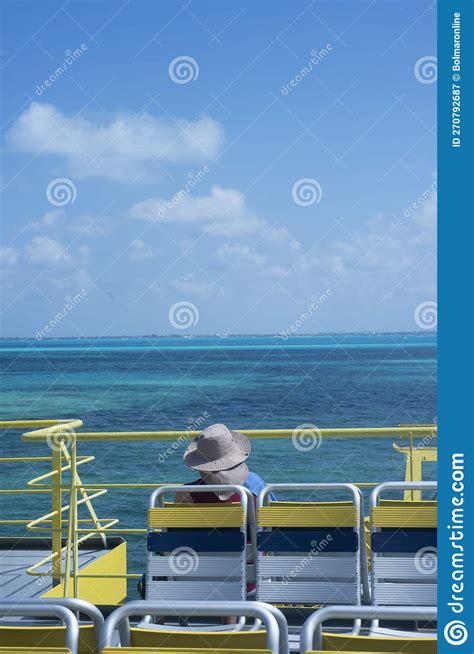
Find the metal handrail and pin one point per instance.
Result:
(40, 609)
(51, 431)
(345, 432)
(273, 619)
(311, 632)
(399, 485)
(80, 606)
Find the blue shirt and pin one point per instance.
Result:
(255, 484)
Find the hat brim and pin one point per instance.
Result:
(240, 452)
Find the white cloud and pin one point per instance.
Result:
(385, 246)
(278, 272)
(385, 259)
(229, 253)
(8, 256)
(189, 285)
(44, 250)
(222, 212)
(281, 236)
(122, 149)
(50, 252)
(139, 250)
(52, 217)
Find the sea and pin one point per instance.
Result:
(247, 382)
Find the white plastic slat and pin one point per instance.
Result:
(296, 567)
(314, 592)
(405, 594)
(194, 590)
(400, 567)
(202, 566)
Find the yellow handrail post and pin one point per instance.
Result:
(73, 519)
(57, 535)
(86, 499)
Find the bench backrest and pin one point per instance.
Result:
(309, 552)
(403, 548)
(197, 551)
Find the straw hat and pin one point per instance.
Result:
(217, 448)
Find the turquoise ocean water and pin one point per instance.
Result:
(128, 384)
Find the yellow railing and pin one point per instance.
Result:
(62, 437)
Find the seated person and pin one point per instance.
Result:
(219, 455)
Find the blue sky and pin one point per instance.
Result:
(296, 184)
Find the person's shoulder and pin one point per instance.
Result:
(254, 482)
(255, 476)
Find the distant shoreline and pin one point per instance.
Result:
(221, 336)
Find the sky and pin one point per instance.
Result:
(217, 167)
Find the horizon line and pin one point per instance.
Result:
(219, 335)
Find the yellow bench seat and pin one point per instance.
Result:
(186, 650)
(207, 640)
